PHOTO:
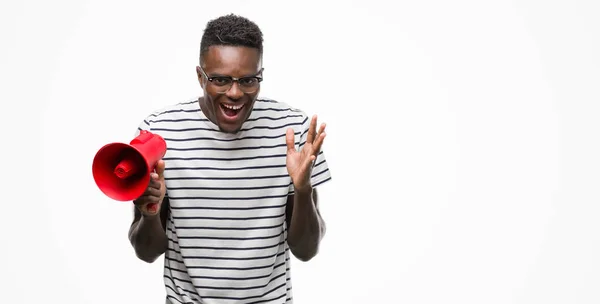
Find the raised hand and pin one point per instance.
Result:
(149, 202)
(300, 163)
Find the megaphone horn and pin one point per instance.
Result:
(122, 171)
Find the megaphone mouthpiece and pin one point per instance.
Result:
(125, 169)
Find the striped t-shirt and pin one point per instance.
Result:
(227, 192)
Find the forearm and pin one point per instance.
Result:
(306, 226)
(148, 238)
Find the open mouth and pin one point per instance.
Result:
(231, 111)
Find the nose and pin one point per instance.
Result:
(234, 92)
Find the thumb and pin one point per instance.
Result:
(160, 169)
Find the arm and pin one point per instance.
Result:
(305, 225)
(147, 234)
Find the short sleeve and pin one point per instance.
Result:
(144, 125)
(320, 173)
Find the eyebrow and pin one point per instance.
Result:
(245, 76)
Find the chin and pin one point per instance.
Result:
(229, 129)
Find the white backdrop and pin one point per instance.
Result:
(462, 139)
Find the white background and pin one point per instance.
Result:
(462, 139)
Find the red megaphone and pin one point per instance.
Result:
(122, 171)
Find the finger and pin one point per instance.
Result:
(318, 144)
(150, 195)
(160, 169)
(154, 181)
(146, 199)
(321, 130)
(309, 161)
(289, 139)
(150, 191)
(312, 129)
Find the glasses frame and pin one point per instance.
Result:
(234, 79)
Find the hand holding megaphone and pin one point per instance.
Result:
(150, 202)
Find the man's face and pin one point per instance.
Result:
(226, 101)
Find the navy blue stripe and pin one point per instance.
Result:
(192, 292)
(282, 135)
(225, 178)
(223, 278)
(178, 279)
(226, 228)
(225, 169)
(228, 288)
(278, 234)
(272, 265)
(178, 269)
(274, 109)
(216, 198)
(190, 102)
(173, 298)
(274, 118)
(241, 130)
(268, 300)
(325, 180)
(231, 188)
(193, 297)
(226, 139)
(305, 131)
(179, 120)
(254, 297)
(317, 174)
(226, 208)
(229, 248)
(226, 158)
(227, 218)
(185, 257)
(206, 120)
(319, 163)
(226, 149)
(173, 111)
(231, 278)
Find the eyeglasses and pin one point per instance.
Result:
(222, 84)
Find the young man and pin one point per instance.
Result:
(236, 190)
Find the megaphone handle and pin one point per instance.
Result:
(152, 206)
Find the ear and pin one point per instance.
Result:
(199, 75)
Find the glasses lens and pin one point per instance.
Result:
(221, 81)
(247, 85)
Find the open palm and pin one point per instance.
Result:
(300, 163)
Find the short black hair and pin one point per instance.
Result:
(231, 30)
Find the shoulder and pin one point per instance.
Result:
(181, 110)
(278, 110)
(275, 105)
(177, 112)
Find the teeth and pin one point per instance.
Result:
(233, 107)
